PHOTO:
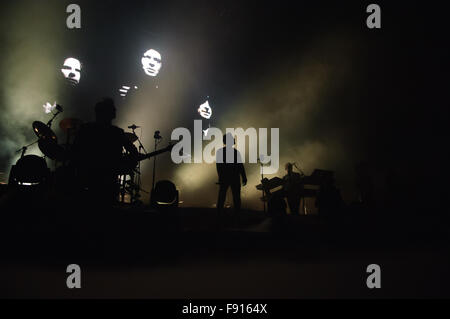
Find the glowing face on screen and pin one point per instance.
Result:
(205, 110)
(72, 70)
(151, 62)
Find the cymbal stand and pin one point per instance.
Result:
(49, 123)
(24, 149)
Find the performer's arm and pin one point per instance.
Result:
(242, 172)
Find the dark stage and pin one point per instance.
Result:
(142, 254)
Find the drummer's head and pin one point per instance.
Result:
(105, 111)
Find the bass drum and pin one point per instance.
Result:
(29, 170)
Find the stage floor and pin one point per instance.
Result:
(141, 254)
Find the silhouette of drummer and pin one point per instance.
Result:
(98, 154)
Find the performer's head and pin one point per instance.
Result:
(105, 111)
(228, 139)
(288, 167)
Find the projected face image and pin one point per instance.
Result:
(205, 110)
(151, 62)
(72, 70)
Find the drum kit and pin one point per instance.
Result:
(32, 170)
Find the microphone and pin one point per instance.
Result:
(133, 127)
(157, 136)
(59, 108)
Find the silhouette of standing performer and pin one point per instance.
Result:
(292, 187)
(98, 154)
(230, 169)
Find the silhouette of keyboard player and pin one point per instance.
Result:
(98, 154)
(230, 170)
(292, 188)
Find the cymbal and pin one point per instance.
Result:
(70, 123)
(44, 132)
(52, 149)
(131, 137)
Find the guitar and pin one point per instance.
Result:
(129, 162)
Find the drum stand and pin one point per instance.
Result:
(128, 186)
(133, 185)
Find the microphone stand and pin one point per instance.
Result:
(156, 137)
(263, 192)
(299, 169)
(302, 174)
(138, 182)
